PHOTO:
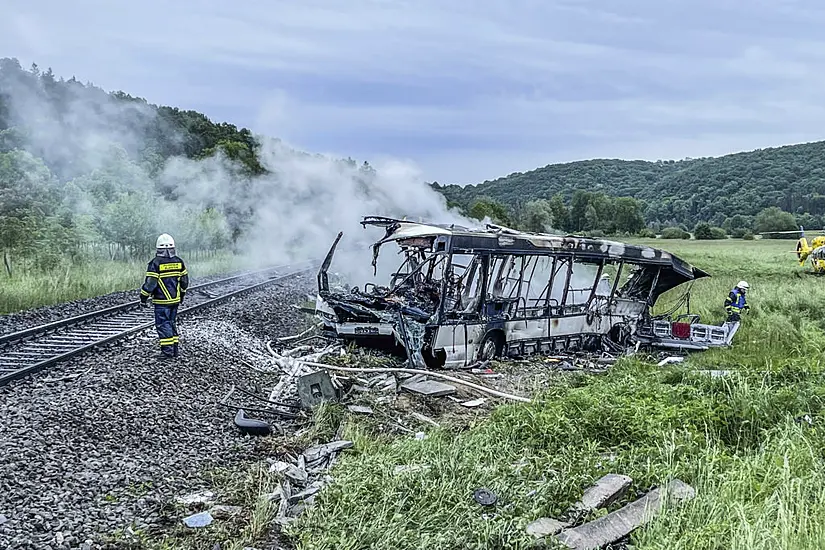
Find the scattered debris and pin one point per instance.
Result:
(429, 388)
(251, 426)
(293, 473)
(806, 418)
(3, 519)
(305, 494)
(544, 527)
(359, 409)
(474, 403)
(622, 522)
(318, 452)
(202, 497)
(670, 360)
(607, 490)
(484, 496)
(452, 379)
(201, 519)
(315, 388)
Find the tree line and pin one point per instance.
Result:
(728, 192)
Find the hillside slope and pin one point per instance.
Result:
(688, 191)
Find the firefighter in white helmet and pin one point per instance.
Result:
(736, 302)
(166, 283)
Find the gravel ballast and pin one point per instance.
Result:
(107, 451)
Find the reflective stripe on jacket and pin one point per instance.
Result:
(735, 300)
(166, 281)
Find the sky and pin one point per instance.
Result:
(468, 90)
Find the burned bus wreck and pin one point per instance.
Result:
(463, 295)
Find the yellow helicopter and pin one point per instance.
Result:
(815, 250)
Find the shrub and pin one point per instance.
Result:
(703, 231)
(718, 233)
(647, 233)
(748, 236)
(675, 233)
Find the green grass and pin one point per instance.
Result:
(759, 474)
(94, 277)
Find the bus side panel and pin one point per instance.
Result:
(459, 342)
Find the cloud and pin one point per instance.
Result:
(469, 90)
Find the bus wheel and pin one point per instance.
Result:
(491, 346)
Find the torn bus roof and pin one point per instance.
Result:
(462, 240)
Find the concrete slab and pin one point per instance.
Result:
(615, 525)
(430, 388)
(607, 490)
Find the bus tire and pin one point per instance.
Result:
(492, 346)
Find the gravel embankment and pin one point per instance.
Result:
(22, 320)
(86, 457)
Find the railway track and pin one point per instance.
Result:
(34, 349)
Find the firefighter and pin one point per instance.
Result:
(736, 303)
(166, 283)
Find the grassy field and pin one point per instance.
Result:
(86, 279)
(759, 472)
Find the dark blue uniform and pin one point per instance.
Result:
(166, 283)
(735, 303)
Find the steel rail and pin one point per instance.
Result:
(66, 338)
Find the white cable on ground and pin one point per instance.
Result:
(484, 389)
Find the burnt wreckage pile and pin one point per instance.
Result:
(462, 295)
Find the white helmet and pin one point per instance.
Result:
(743, 285)
(165, 241)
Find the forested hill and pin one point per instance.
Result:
(38, 111)
(678, 192)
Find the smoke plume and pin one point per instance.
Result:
(101, 149)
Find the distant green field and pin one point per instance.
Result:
(760, 475)
(95, 277)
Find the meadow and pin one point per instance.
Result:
(741, 440)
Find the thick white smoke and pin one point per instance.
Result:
(305, 200)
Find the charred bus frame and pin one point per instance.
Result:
(518, 293)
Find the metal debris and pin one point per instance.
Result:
(322, 451)
(484, 496)
(293, 473)
(315, 388)
(251, 426)
(424, 418)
